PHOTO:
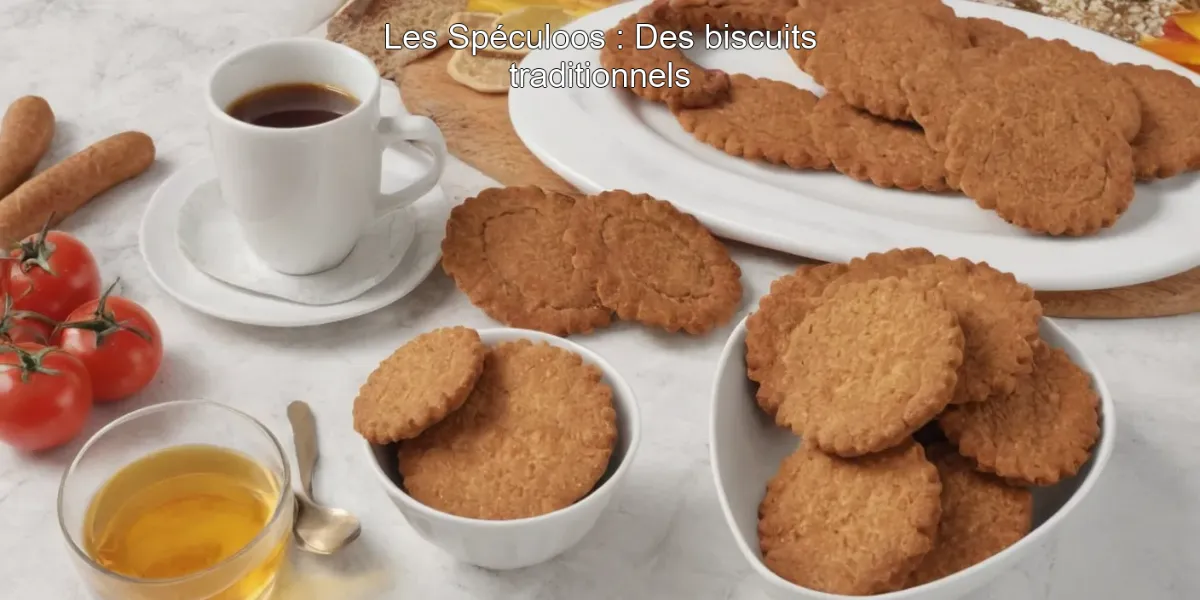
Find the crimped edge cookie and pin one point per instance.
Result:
(891, 561)
(384, 419)
(811, 355)
(798, 150)
(769, 327)
(464, 259)
(625, 292)
(1031, 461)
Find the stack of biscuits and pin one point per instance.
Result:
(1048, 136)
(565, 263)
(927, 405)
(513, 431)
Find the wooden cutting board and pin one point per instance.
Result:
(478, 132)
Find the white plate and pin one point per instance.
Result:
(175, 274)
(605, 138)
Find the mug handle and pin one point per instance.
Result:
(423, 132)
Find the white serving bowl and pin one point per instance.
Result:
(747, 448)
(518, 543)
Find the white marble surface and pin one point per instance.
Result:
(109, 65)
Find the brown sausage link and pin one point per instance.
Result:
(68, 185)
(25, 135)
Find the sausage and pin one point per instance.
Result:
(68, 185)
(25, 135)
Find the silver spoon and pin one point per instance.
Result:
(318, 529)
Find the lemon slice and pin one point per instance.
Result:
(531, 21)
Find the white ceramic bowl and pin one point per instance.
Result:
(520, 543)
(747, 448)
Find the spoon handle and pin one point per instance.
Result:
(304, 435)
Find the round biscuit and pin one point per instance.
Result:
(850, 526)
(863, 53)
(870, 365)
(873, 150)
(535, 436)
(1169, 140)
(504, 250)
(419, 384)
(654, 264)
(1040, 155)
(999, 315)
(770, 326)
(981, 515)
(1040, 433)
(763, 120)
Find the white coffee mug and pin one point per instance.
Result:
(304, 196)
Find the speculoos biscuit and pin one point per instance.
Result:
(850, 526)
(1039, 434)
(981, 516)
(419, 384)
(864, 63)
(535, 436)
(998, 315)
(621, 56)
(1059, 65)
(1040, 155)
(654, 264)
(874, 150)
(769, 328)
(938, 84)
(762, 119)
(1169, 140)
(838, 398)
(504, 249)
(695, 15)
(810, 15)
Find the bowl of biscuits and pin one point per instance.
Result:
(904, 425)
(500, 446)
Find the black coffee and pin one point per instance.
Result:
(292, 105)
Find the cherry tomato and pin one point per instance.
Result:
(45, 396)
(53, 272)
(117, 340)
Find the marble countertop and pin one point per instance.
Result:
(110, 65)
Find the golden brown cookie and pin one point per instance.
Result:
(631, 68)
(991, 34)
(850, 526)
(981, 515)
(719, 14)
(504, 249)
(998, 315)
(1169, 140)
(761, 120)
(839, 397)
(938, 84)
(862, 54)
(867, 148)
(1056, 63)
(654, 264)
(1040, 155)
(810, 15)
(534, 437)
(770, 327)
(1037, 435)
(419, 384)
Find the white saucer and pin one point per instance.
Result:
(212, 240)
(175, 273)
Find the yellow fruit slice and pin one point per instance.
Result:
(534, 18)
(528, 25)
